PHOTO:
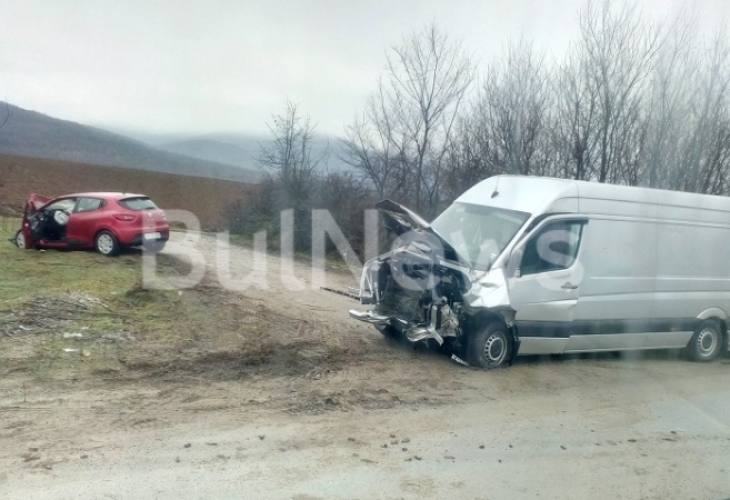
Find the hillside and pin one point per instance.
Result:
(216, 151)
(208, 199)
(32, 134)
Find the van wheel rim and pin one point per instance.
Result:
(105, 244)
(20, 241)
(495, 349)
(706, 342)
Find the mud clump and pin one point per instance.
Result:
(44, 314)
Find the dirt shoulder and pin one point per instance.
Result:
(272, 392)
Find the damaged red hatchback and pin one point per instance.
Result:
(106, 222)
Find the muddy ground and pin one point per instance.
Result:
(279, 395)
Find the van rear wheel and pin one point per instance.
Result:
(707, 341)
(490, 347)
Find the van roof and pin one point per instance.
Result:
(540, 194)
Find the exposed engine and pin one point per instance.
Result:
(414, 292)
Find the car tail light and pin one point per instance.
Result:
(125, 217)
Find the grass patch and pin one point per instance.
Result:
(27, 274)
(65, 311)
(82, 316)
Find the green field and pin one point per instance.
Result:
(67, 314)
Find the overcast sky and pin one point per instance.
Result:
(226, 66)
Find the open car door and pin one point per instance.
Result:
(32, 206)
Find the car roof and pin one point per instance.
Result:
(104, 195)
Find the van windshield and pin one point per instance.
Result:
(478, 233)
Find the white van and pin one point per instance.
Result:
(527, 265)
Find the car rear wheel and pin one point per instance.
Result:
(707, 341)
(106, 244)
(490, 347)
(20, 240)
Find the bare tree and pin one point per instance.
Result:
(513, 108)
(468, 158)
(372, 145)
(633, 103)
(290, 154)
(703, 166)
(290, 161)
(573, 120)
(668, 101)
(429, 76)
(601, 90)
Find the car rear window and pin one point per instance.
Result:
(138, 204)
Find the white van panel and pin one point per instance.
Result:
(627, 341)
(541, 345)
(618, 259)
(693, 269)
(606, 342)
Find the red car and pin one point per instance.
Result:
(106, 222)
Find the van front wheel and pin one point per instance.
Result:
(707, 341)
(490, 347)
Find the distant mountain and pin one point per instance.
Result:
(244, 150)
(216, 151)
(32, 134)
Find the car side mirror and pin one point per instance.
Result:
(513, 264)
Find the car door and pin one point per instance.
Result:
(84, 221)
(52, 227)
(545, 286)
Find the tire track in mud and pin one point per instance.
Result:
(289, 315)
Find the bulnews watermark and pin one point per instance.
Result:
(549, 256)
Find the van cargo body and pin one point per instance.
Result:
(527, 265)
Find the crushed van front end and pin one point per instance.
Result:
(427, 290)
(414, 294)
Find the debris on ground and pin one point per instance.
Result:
(50, 314)
(458, 360)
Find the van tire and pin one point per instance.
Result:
(707, 342)
(490, 347)
(106, 244)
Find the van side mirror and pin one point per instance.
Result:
(513, 264)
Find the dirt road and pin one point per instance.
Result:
(367, 418)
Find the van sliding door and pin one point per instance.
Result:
(616, 306)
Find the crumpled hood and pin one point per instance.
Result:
(37, 201)
(401, 220)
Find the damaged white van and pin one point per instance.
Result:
(527, 265)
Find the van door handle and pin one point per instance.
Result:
(569, 286)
